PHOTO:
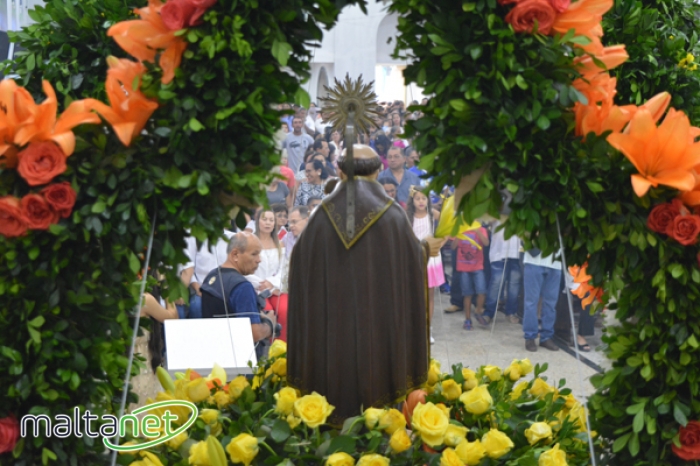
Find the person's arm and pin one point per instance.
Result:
(152, 308)
(186, 276)
(244, 303)
(483, 239)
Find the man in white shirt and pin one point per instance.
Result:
(201, 261)
(542, 278)
(296, 144)
(503, 254)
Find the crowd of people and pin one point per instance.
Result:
(479, 269)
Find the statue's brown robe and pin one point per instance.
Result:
(357, 314)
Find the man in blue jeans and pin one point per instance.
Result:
(542, 276)
(504, 253)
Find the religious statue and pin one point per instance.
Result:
(358, 322)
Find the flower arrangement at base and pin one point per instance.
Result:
(488, 416)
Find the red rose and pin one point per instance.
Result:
(560, 5)
(661, 216)
(178, 14)
(60, 197)
(41, 162)
(685, 229)
(528, 12)
(11, 222)
(37, 213)
(690, 442)
(9, 434)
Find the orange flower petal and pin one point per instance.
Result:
(641, 185)
(170, 60)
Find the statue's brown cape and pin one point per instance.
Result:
(358, 330)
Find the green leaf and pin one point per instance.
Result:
(679, 415)
(195, 125)
(134, 263)
(638, 422)
(31, 62)
(342, 443)
(301, 97)
(281, 50)
(634, 444)
(280, 431)
(47, 455)
(594, 187)
(543, 123)
(37, 322)
(621, 442)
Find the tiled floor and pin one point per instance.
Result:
(478, 346)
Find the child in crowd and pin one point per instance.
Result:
(421, 215)
(470, 270)
(281, 214)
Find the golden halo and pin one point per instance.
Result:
(347, 97)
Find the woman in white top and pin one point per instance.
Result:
(268, 275)
(421, 216)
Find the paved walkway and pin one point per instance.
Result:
(477, 347)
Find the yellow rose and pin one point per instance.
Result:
(221, 399)
(197, 390)
(451, 389)
(340, 459)
(373, 460)
(538, 431)
(182, 412)
(149, 459)
(470, 380)
(477, 400)
(493, 373)
(372, 416)
(433, 373)
(431, 423)
(236, 387)
(540, 388)
(444, 409)
(279, 367)
(496, 443)
(313, 409)
(178, 440)
(242, 449)
(577, 415)
(450, 458)
(455, 435)
(293, 421)
(209, 416)
(199, 454)
(278, 348)
(285, 400)
(525, 365)
(392, 420)
(518, 390)
(570, 401)
(553, 457)
(400, 441)
(514, 371)
(470, 453)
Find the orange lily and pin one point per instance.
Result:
(602, 118)
(142, 38)
(611, 57)
(15, 102)
(42, 125)
(584, 17)
(663, 155)
(597, 89)
(692, 198)
(129, 109)
(582, 278)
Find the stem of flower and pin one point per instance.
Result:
(318, 436)
(267, 447)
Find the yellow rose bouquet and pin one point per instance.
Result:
(489, 416)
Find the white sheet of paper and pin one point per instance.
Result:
(200, 343)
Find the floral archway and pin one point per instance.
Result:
(528, 102)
